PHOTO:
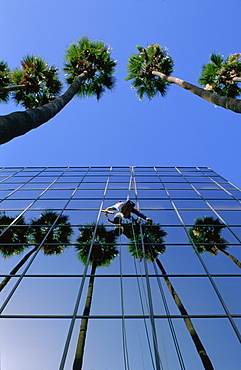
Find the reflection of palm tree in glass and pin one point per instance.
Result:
(206, 234)
(15, 237)
(14, 240)
(153, 237)
(55, 238)
(103, 252)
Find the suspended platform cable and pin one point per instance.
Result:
(149, 295)
(173, 333)
(137, 278)
(124, 336)
(141, 301)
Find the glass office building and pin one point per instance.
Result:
(167, 298)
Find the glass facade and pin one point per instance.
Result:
(153, 294)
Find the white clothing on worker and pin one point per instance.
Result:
(118, 206)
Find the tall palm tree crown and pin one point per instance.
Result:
(41, 82)
(57, 237)
(14, 240)
(153, 238)
(206, 234)
(93, 57)
(4, 80)
(219, 75)
(140, 68)
(103, 250)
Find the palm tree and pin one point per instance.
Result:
(206, 234)
(89, 69)
(55, 238)
(150, 71)
(221, 75)
(14, 240)
(39, 83)
(141, 67)
(5, 80)
(13, 236)
(102, 253)
(35, 83)
(152, 237)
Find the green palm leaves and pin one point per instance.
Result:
(54, 229)
(103, 250)
(95, 59)
(40, 80)
(4, 80)
(153, 238)
(51, 229)
(14, 236)
(36, 83)
(206, 234)
(141, 66)
(219, 75)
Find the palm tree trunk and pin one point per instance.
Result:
(222, 101)
(198, 344)
(16, 268)
(79, 354)
(237, 262)
(12, 88)
(19, 123)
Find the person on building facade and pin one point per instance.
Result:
(124, 210)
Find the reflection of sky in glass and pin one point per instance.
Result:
(49, 284)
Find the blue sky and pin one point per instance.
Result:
(119, 130)
(179, 130)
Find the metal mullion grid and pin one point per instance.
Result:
(212, 209)
(150, 302)
(107, 317)
(203, 264)
(34, 201)
(40, 245)
(117, 275)
(14, 191)
(123, 244)
(12, 175)
(175, 340)
(142, 300)
(225, 180)
(217, 183)
(76, 307)
(124, 336)
(168, 316)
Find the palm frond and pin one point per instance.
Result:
(206, 234)
(103, 249)
(14, 238)
(151, 237)
(5, 80)
(55, 236)
(218, 75)
(140, 67)
(41, 81)
(217, 59)
(94, 57)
